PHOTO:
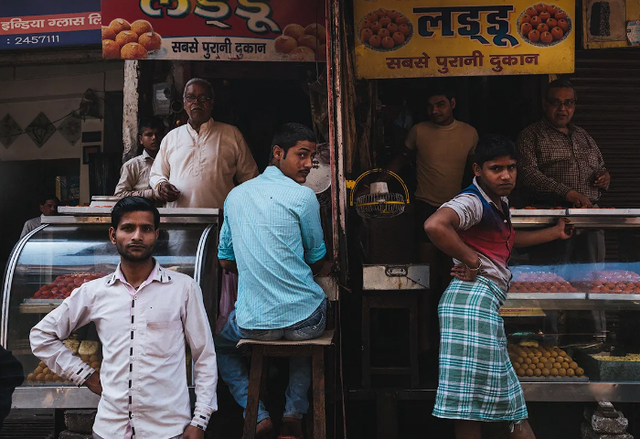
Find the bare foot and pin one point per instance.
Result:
(291, 427)
(264, 428)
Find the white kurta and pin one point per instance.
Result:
(202, 165)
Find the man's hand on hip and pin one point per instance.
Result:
(168, 192)
(463, 272)
(192, 432)
(93, 383)
(578, 200)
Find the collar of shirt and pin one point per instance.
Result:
(158, 274)
(548, 126)
(274, 173)
(204, 128)
(486, 197)
(146, 155)
(452, 126)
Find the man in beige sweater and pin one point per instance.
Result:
(442, 148)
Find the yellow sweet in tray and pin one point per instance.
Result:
(605, 356)
(530, 359)
(529, 343)
(88, 347)
(71, 344)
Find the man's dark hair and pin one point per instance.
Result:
(46, 197)
(133, 204)
(449, 94)
(150, 122)
(288, 136)
(559, 83)
(493, 146)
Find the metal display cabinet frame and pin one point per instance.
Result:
(577, 391)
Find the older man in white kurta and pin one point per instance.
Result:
(198, 161)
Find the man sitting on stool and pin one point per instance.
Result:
(273, 238)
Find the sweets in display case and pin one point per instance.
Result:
(88, 351)
(612, 281)
(540, 282)
(530, 359)
(63, 285)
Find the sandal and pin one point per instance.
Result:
(266, 432)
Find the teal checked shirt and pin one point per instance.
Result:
(272, 230)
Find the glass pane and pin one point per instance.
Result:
(577, 300)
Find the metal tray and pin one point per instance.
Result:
(102, 215)
(546, 296)
(42, 301)
(613, 296)
(538, 212)
(602, 370)
(105, 198)
(603, 212)
(39, 306)
(582, 218)
(554, 379)
(179, 211)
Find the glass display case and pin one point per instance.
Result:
(68, 250)
(572, 313)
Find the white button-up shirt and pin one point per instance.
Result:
(202, 165)
(31, 224)
(134, 177)
(143, 333)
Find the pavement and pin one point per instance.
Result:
(28, 424)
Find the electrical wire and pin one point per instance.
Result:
(32, 130)
(74, 113)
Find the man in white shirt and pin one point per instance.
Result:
(48, 207)
(143, 314)
(134, 176)
(198, 162)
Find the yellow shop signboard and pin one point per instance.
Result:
(413, 38)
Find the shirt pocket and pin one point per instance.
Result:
(164, 339)
(555, 151)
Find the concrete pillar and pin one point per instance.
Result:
(130, 109)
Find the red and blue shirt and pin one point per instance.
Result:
(487, 230)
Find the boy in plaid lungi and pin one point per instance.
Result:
(477, 382)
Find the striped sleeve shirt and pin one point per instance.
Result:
(134, 177)
(272, 230)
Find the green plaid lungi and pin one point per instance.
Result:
(477, 381)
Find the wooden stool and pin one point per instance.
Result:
(260, 349)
